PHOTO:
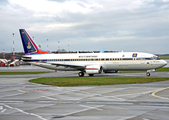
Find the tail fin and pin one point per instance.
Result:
(102, 51)
(28, 44)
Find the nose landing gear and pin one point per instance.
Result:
(148, 74)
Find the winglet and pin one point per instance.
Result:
(28, 44)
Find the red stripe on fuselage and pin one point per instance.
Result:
(91, 68)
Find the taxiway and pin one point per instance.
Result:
(20, 99)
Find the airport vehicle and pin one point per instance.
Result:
(91, 63)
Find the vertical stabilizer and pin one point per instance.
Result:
(28, 44)
(102, 51)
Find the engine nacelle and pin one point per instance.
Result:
(95, 69)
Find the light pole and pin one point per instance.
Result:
(68, 48)
(13, 48)
(3, 53)
(47, 45)
(58, 47)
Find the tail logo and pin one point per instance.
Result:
(29, 45)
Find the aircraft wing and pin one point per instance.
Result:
(68, 65)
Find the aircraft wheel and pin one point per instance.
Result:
(91, 74)
(81, 74)
(148, 74)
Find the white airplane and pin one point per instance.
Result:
(91, 63)
(4, 61)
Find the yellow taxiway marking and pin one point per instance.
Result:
(153, 94)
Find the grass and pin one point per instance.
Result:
(20, 73)
(164, 69)
(88, 81)
(164, 57)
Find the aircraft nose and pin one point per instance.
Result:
(164, 62)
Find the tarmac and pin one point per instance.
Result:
(20, 99)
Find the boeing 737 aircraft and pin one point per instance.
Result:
(91, 63)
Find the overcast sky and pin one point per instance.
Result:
(87, 25)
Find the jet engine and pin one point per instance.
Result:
(95, 69)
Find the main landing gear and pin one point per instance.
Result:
(81, 74)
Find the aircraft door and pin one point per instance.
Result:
(142, 59)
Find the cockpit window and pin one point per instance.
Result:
(156, 58)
